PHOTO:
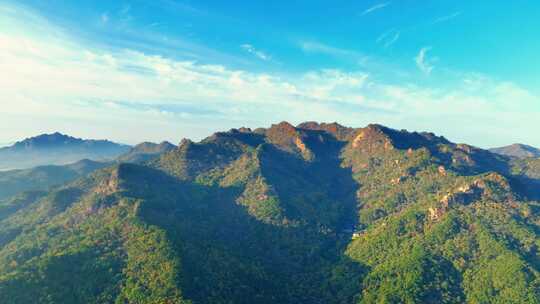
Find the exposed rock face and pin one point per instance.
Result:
(370, 139)
(109, 185)
(399, 180)
(358, 139)
(492, 187)
(436, 213)
(338, 131)
(290, 139)
(463, 195)
(442, 170)
(300, 145)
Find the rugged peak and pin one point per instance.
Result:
(404, 139)
(289, 138)
(242, 136)
(338, 131)
(282, 133)
(244, 130)
(285, 126)
(370, 138)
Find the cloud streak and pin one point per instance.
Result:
(447, 18)
(387, 39)
(422, 62)
(374, 8)
(257, 53)
(322, 48)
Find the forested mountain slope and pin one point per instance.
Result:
(42, 177)
(318, 213)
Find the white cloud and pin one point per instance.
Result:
(47, 79)
(374, 8)
(424, 63)
(50, 83)
(257, 53)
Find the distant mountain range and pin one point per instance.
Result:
(45, 176)
(145, 151)
(42, 177)
(57, 149)
(518, 150)
(316, 213)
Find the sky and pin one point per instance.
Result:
(134, 71)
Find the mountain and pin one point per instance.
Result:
(56, 149)
(317, 213)
(146, 151)
(44, 177)
(518, 150)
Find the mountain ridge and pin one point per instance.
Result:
(518, 150)
(146, 151)
(56, 149)
(53, 140)
(366, 215)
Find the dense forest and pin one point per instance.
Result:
(318, 213)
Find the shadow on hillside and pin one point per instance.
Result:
(228, 256)
(527, 186)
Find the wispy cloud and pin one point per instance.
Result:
(257, 53)
(374, 8)
(447, 17)
(129, 90)
(322, 48)
(424, 63)
(70, 86)
(174, 107)
(388, 38)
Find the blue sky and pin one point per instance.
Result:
(165, 69)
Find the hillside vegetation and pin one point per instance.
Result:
(317, 213)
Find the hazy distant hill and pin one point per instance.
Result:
(317, 213)
(518, 150)
(43, 177)
(57, 149)
(145, 151)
